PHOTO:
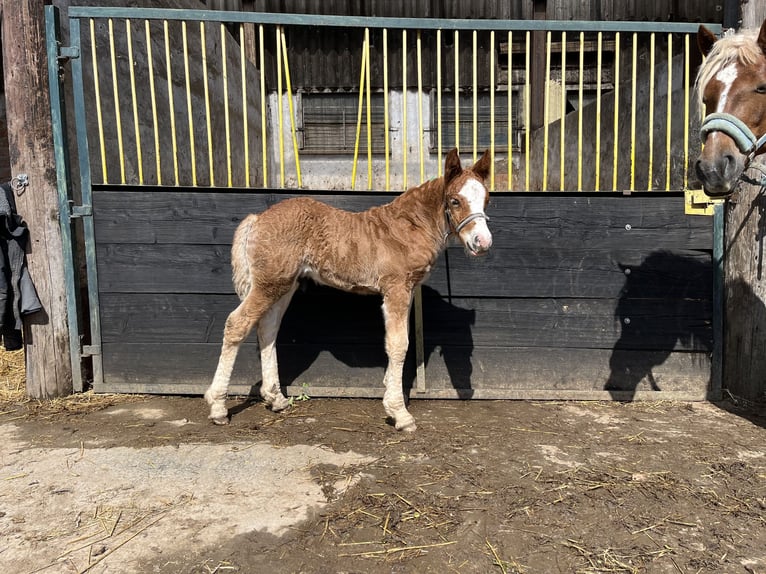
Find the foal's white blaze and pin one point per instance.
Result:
(480, 239)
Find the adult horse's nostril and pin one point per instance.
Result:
(728, 166)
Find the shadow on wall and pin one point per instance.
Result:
(664, 307)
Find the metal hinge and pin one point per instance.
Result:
(68, 53)
(80, 210)
(90, 350)
(697, 203)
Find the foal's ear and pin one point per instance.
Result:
(481, 167)
(762, 38)
(705, 40)
(452, 167)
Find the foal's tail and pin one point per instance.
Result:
(240, 264)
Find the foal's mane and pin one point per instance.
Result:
(741, 48)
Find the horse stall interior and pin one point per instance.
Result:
(599, 284)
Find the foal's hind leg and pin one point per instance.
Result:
(396, 311)
(238, 326)
(268, 328)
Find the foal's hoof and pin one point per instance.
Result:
(407, 427)
(224, 420)
(280, 403)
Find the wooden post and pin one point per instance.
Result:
(744, 361)
(46, 333)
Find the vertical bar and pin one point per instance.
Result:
(527, 109)
(117, 116)
(369, 109)
(153, 94)
(86, 194)
(475, 96)
(616, 109)
(580, 112)
(599, 64)
(280, 114)
(404, 109)
(492, 109)
(171, 104)
(633, 106)
(97, 90)
(510, 111)
(134, 101)
(716, 375)
(243, 80)
(421, 157)
(686, 111)
(289, 88)
(438, 103)
(386, 117)
(457, 91)
(189, 111)
(669, 116)
(60, 152)
(563, 111)
(264, 147)
(358, 137)
(226, 113)
(650, 184)
(546, 108)
(206, 91)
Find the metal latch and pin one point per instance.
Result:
(697, 203)
(80, 210)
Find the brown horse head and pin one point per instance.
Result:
(466, 198)
(731, 87)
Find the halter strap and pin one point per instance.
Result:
(468, 219)
(736, 129)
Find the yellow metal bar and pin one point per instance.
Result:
(206, 90)
(563, 111)
(404, 109)
(243, 79)
(153, 95)
(633, 106)
(293, 129)
(492, 109)
(580, 112)
(117, 116)
(599, 63)
(369, 108)
(280, 113)
(438, 103)
(134, 101)
(386, 117)
(650, 184)
(189, 112)
(264, 147)
(686, 111)
(171, 104)
(358, 137)
(457, 90)
(616, 109)
(421, 157)
(527, 109)
(97, 89)
(669, 116)
(475, 66)
(510, 111)
(546, 108)
(226, 112)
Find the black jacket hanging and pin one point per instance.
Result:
(18, 296)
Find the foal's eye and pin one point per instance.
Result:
(454, 202)
(761, 89)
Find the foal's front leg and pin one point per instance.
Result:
(396, 311)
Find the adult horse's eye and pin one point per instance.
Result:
(454, 202)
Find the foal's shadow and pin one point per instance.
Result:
(324, 326)
(664, 307)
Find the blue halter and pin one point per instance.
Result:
(736, 129)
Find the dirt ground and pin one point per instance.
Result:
(147, 484)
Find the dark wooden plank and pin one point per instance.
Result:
(518, 371)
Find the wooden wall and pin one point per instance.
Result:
(583, 295)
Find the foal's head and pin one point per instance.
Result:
(466, 198)
(731, 87)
